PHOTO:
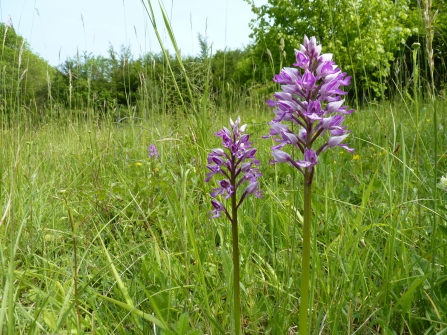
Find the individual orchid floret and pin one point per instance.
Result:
(236, 163)
(218, 208)
(310, 159)
(224, 188)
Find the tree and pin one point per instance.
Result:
(364, 36)
(438, 12)
(23, 74)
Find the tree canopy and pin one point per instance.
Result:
(364, 36)
(22, 73)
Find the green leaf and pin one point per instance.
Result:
(443, 229)
(135, 311)
(406, 298)
(183, 324)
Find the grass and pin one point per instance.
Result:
(98, 238)
(148, 257)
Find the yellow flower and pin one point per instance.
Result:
(356, 157)
(138, 164)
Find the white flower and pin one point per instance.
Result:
(443, 183)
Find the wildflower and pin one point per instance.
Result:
(138, 164)
(218, 207)
(237, 164)
(311, 101)
(356, 157)
(443, 183)
(152, 151)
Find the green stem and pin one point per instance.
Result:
(416, 47)
(305, 275)
(75, 266)
(236, 285)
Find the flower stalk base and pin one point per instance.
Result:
(236, 276)
(305, 274)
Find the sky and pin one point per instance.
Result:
(58, 29)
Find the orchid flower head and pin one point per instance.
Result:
(311, 100)
(236, 163)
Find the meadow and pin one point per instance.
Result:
(99, 237)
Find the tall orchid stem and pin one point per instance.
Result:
(236, 285)
(305, 274)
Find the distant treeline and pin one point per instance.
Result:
(103, 83)
(371, 40)
(89, 82)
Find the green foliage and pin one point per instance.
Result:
(23, 75)
(96, 82)
(364, 36)
(231, 70)
(439, 13)
(95, 86)
(204, 47)
(102, 84)
(150, 260)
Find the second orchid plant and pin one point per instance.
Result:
(308, 108)
(236, 164)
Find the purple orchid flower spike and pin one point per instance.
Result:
(152, 151)
(311, 100)
(237, 164)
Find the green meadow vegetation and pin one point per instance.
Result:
(98, 237)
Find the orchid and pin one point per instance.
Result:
(152, 151)
(237, 166)
(311, 101)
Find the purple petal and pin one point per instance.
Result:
(281, 156)
(308, 80)
(301, 60)
(310, 159)
(334, 106)
(336, 140)
(218, 208)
